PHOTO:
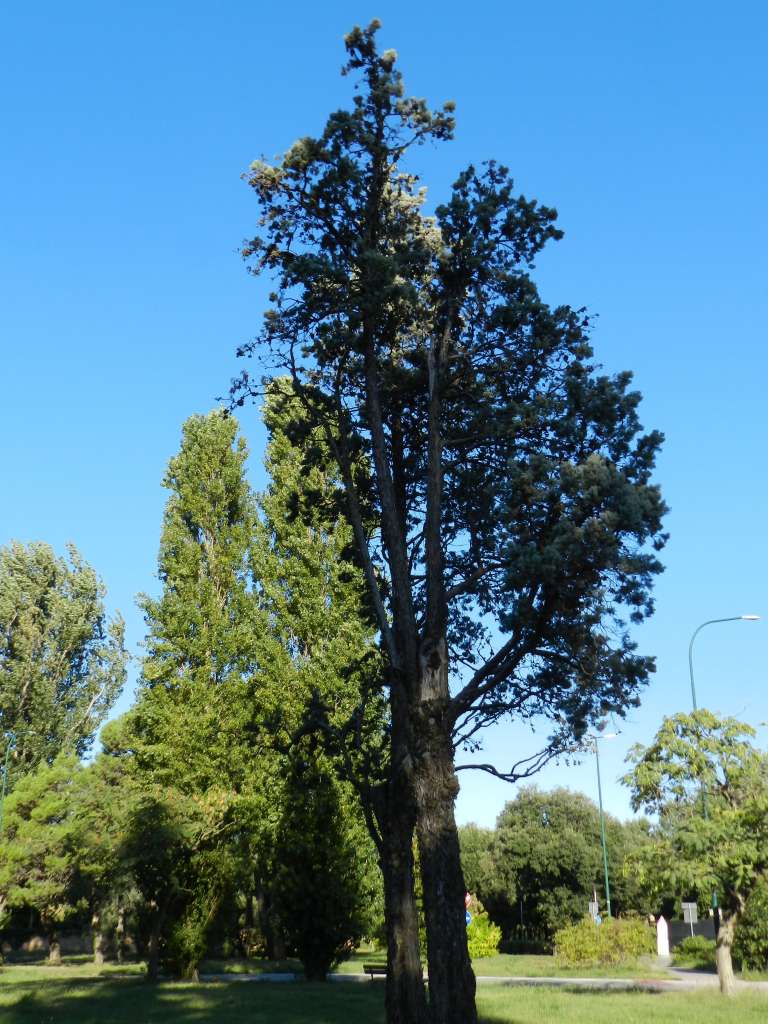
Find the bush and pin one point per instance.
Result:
(694, 951)
(615, 941)
(483, 936)
(750, 945)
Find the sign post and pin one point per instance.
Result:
(690, 914)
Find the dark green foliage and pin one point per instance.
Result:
(321, 892)
(750, 948)
(39, 849)
(514, 519)
(62, 661)
(547, 855)
(548, 514)
(615, 941)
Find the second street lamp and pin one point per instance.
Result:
(595, 739)
(711, 622)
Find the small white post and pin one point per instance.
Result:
(662, 937)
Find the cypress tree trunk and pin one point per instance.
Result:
(723, 953)
(405, 998)
(451, 979)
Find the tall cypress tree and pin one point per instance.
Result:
(517, 521)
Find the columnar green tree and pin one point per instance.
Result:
(322, 866)
(202, 649)
(709, 786)
(192, 740)
(62, 660)
(325, 666)
(511, 495)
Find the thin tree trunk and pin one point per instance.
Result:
(98, 939)
(451, 979)
(153, 946)
(54, 949)
(120, 932)
(723, 953)
(153, 953)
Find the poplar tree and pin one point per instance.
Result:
(195, 697)
(193, 737)
(515, 517)
(62, 660)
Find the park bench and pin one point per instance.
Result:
(373, 969)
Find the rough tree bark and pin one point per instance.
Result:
(405, 997)
(723, 952)
(54, 947)
(98, 939)
(452, 981)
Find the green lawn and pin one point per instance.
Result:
(30, 995)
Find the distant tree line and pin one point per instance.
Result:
(539, 868)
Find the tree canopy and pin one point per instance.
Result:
(516, 522)
(548, 855)
(709, 786)
(62, 660)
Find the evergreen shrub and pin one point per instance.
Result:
(615, 941)
(694, 951)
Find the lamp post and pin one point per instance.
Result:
(711, 622)
(605, 736)
(8, 748)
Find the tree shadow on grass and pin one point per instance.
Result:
(126, 1002)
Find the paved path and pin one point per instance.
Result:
(682, 981)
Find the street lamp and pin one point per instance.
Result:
(8, 748)
(710, 622)
(604, 736)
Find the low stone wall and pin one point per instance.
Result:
(679, 930)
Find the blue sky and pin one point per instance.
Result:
(122, 296)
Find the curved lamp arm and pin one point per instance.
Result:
(709, 622)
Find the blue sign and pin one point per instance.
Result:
(469, 917)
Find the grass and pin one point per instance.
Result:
(35, 995)
(502, 966)
(506, 966)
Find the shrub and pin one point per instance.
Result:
(694, 951)
(483, 936)
(750, 945)
(615, 941)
